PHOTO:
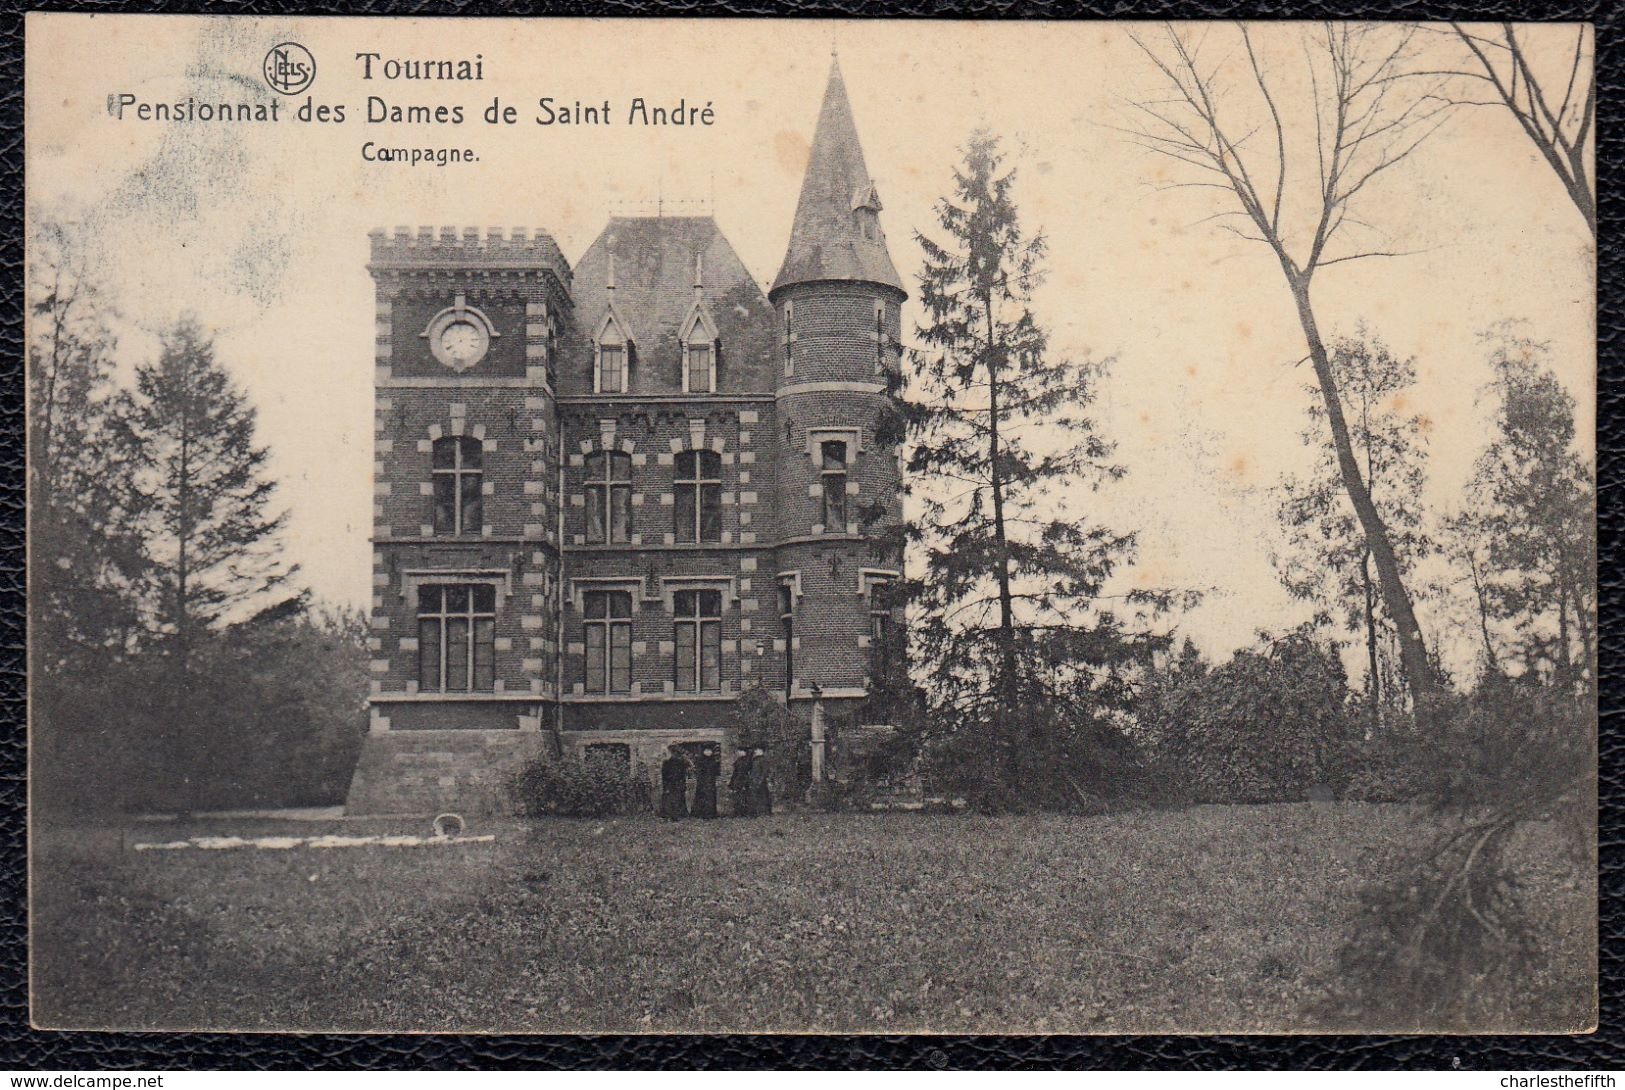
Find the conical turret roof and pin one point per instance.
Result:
(827, 239)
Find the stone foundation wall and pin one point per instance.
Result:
(432, 771)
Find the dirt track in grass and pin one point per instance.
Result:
(1212, 919)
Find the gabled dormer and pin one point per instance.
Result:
(699, 339)
(613, 352)
(678, 286)
(613, 345)
(866, 208)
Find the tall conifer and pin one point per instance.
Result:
(212, 542)
(1022, 646)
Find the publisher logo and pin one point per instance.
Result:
(289, 68)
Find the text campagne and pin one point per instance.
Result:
(546, 111)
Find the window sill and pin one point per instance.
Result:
(647, 698)
(459, 698)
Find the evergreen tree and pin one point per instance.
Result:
(85, 557)
(1018, 640)
(212, 547)
(1329, 560)
(85, 560)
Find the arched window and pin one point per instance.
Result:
(458, 475)
(609, 497)
(698, 502)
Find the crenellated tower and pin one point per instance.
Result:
(465, 542)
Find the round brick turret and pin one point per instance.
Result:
(838, 301)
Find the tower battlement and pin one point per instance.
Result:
(405, 248)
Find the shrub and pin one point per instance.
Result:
(1043, 756)
(1265, 726)
(1389, 770)
(568, 786)
(274, 714)
(1510, 736)
(760, 720)
(838, 796)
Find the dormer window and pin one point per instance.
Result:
(700, 343)
(866, 211)
(700, 373)
(612, 356)
(612, 369)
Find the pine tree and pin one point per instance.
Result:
(213, 546)
(1019, 642)
(1329, 560)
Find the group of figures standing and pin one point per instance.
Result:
(747, 787)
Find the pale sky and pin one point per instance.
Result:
(262, 232)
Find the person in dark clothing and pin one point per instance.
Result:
(674, 787)
(739, 784)
(761, 795)
(706, 771)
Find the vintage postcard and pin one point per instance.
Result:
(789, 526)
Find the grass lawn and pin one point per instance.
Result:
(1216, 919)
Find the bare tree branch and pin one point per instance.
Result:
(1521, 92)
(1366, 121)
(1370, 253)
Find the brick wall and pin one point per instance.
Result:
(772, 509)
(519, 285)
(833, 330)
(518, 457)
(653, 437)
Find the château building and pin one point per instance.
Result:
(610, 498)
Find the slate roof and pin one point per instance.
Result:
(826, 238)
(654, 290)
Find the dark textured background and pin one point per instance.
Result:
(23, 1048)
